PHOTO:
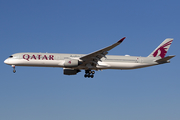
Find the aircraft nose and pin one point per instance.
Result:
(6, 61)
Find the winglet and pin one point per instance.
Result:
(121, 39)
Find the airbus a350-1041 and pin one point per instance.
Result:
(98, 60)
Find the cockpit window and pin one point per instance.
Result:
(10, 56)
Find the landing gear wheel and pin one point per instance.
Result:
(13, 68)
(85, 75)
(92, 76)
(89, 73)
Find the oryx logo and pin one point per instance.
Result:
(162, 50)
(69, 62)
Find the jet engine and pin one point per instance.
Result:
(69, 63)
(69, 71)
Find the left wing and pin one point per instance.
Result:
(91, 59)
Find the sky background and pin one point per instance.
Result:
(81, 26)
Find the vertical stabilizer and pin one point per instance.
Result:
(162, 49)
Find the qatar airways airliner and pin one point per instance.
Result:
(98, 60)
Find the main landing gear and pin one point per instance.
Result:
(89, 73)
(13, 68)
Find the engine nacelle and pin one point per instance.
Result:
(69, 63)
(68, 71)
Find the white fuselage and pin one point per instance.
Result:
(58, 60)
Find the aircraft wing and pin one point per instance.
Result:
(96, 56)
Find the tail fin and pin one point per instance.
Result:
(162, 49)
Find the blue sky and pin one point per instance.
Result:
(83, 26)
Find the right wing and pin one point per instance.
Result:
(91, 59)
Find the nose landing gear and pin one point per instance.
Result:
(13, 68)
(89, 73)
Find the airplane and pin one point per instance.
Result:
(98, 60)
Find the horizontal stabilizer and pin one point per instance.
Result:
(165, 59)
